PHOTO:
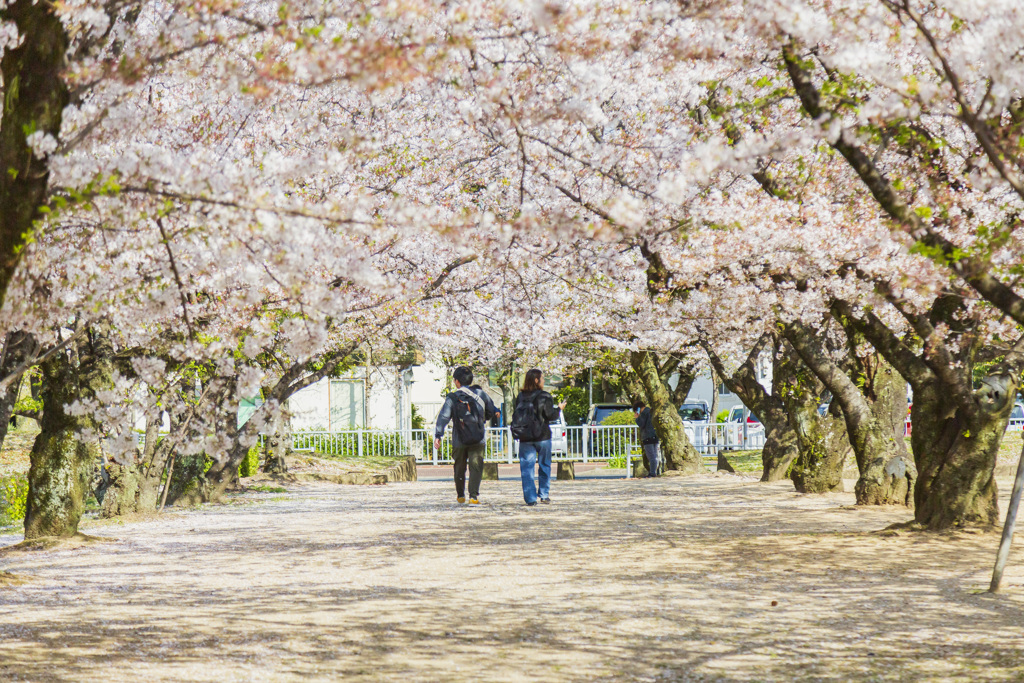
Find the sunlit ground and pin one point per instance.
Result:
(705, 578)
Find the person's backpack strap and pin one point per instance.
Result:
(475, 397)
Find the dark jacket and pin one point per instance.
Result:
(645, 421)
(445, 416)
(545, 406)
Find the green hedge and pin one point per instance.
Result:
(13, 498)
(377, 444)
(251, 464)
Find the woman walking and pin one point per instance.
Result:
(534, 410)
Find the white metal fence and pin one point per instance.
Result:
(580, 444)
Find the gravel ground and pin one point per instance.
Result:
(650, 580)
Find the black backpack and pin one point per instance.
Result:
(467, 416)
(526, 423)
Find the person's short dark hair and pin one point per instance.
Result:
(638, 404)
(463, 375)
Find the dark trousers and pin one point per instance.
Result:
(474, 456)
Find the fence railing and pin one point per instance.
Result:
(710, 437)
(581, 444)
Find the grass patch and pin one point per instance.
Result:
(744, 461)
(263, 488)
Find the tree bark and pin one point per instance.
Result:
(135, 487)
(957, 430)
(886, 474)
(61, 464)
(780, 440)
(34, 99)
(822, 443)
(676, 449)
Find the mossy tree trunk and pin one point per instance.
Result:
(956, 429)
(676, 449)
(780, 439)
(886, 474)
(35, 95)
(61, 463)
(822, 443)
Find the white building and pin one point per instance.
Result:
(378, 398)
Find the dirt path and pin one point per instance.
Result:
(616, 580)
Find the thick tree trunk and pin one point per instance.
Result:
(956, 455)
(34, 99)
(676, 449)
(887, 475)
(822, 443)
(278, 447)
(61, 464)
(823, 447)
(956, 431)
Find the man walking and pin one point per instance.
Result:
(648, 437)
(468, 408)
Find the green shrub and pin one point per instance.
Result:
(251, 463)
(723, 415)
(621, 418)
(13, 498)
(576, 404)
(382, 443)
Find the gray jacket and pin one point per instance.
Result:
(445, 416)
(645, 421)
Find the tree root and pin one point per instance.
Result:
(54, 542)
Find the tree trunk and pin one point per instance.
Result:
(34, 99)
(61, 464)
(956, 455)
(887, 475)
(821, 440)
(18, 348)
(135, 487)
(676, 449)
(278, 447)
(780, 440)
(956, 431)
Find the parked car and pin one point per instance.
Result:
(736, 415)
(599, 412)
(695, 412)
(1016, 418)
(559, 440)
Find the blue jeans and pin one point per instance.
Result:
(530, 455)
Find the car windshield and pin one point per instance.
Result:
(601, 412)
(1017, 413)
(692, 413)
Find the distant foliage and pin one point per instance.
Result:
(13, 498)
(251, 464)
(576, 404)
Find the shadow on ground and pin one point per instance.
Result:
(672, 579)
